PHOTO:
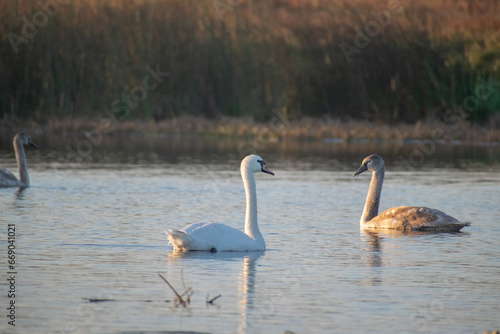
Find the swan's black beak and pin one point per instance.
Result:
(31, 143)
(360, 170)
(266, 170)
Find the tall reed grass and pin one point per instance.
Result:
(250, 58)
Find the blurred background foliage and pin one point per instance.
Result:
(248, 58)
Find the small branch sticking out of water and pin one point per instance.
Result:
(211, 301)
(187, 291)
(178, 297)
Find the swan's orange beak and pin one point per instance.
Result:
(266, 170)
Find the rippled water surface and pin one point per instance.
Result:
(94, 229)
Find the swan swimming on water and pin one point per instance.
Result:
(406, 218)
(7, 179)
(219, 237)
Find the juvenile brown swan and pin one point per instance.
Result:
(7, 179)
(406, 218)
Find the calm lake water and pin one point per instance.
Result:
(92, 226)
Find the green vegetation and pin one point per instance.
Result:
(395, 61)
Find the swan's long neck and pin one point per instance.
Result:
(251, 225)
(21, 163)
(373, 198)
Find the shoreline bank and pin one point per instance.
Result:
(276, 129)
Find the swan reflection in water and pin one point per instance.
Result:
(246, 289)
(246, 281)
(373, 242)
(378, 251)
(372, 248)
(375, 248)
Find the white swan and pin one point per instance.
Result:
(219, 237)
(7, 179)
(406, 218)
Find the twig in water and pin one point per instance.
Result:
(99, 300)
(187, 292)
(211, 301)
(178, 297)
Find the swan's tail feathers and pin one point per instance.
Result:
(180, 240)
(465, 224)
(457, 227)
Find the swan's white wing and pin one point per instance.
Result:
(218, 234)
(212, 236)
(190, 228)
(7, 179)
